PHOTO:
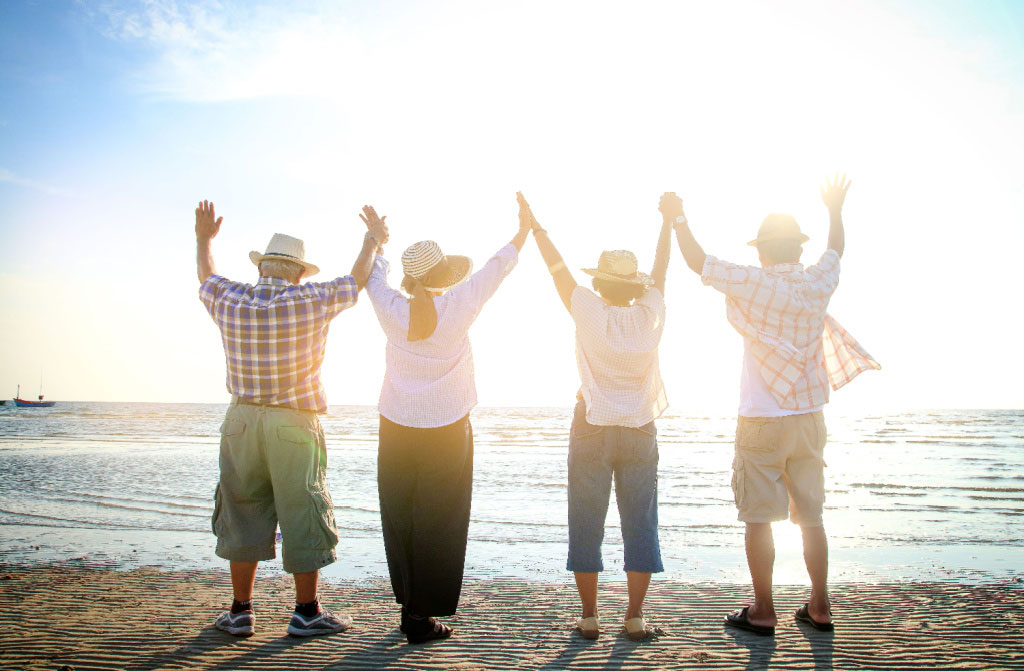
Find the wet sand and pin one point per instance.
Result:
(81, 617)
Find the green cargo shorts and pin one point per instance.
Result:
(273, 464)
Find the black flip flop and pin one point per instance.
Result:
(804, 615)
(739, 620)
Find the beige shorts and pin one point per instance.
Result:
(778, 471)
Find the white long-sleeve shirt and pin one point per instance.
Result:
(429, 383)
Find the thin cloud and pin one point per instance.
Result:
(220, 52)
(11, 178)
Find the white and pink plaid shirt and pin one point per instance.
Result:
(781, 311)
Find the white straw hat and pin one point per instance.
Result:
(287, 248)
(619, 265)
(425, 258)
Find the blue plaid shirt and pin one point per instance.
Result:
(274, 336)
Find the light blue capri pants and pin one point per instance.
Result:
(596, 455)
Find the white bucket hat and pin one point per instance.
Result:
(619, 265)
(425, 258)
(287, 248)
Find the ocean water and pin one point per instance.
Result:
(910, 496)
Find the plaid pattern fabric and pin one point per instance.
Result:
(781, 310)
(274, 336)
(617, 356)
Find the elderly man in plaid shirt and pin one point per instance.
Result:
(793, 353)
(272, 450)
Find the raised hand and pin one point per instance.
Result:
(374, 224)
(207, 223)
(531, 222)
(670, 206)
(527, 222)
(834, 192)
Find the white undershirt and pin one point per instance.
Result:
(756, 398)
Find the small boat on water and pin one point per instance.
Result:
(25, 403)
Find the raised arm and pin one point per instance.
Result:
(564, 282)
(525, 223)
(661, 253)
(672, 210)
(373, 241)
(833, 194)
(207, 227)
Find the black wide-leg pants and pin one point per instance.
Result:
(425, 483)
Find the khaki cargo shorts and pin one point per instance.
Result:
(273, 464)
(778, 470)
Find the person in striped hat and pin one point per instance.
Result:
(425, 457)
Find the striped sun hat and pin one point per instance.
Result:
(426, 262)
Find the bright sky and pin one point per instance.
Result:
(117, 117)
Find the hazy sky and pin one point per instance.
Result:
(117, 117)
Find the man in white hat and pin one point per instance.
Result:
(793, 352)
(272, 449)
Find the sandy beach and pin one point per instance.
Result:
(60, 616)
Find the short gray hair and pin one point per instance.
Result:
(281, 268)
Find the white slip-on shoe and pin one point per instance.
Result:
(589, 627)
(636, 628)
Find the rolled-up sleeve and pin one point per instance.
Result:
(824, 275)
(337, 294)
(210, 289)
(732, 280)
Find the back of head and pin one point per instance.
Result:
(779, 251)
(620, 294)
(281, 269)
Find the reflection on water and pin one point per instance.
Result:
(907, 480)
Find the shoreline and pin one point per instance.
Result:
(98, 618)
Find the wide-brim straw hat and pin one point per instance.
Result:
(285, 248)
(425, 259)
(619, 265)
(778, 227)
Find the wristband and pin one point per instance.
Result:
(555, 267)
(680, 221)
(371, 236)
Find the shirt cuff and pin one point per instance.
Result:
(710, 263)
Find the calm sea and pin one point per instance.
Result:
(916, 495)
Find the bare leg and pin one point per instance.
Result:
(761, 561)
(816, 559)
(636, 583)
(586, 583)
(305, 586)
(243, 576)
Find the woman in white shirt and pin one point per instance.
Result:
(425, 453)
(618, 330)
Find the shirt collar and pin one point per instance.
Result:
(784, 268)
(273, 282)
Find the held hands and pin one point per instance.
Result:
(527, 221)
(207, 223)
(375, 225)
(834, 193)
(671, 206)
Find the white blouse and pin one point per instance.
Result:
(429, 383)
(617, 354)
